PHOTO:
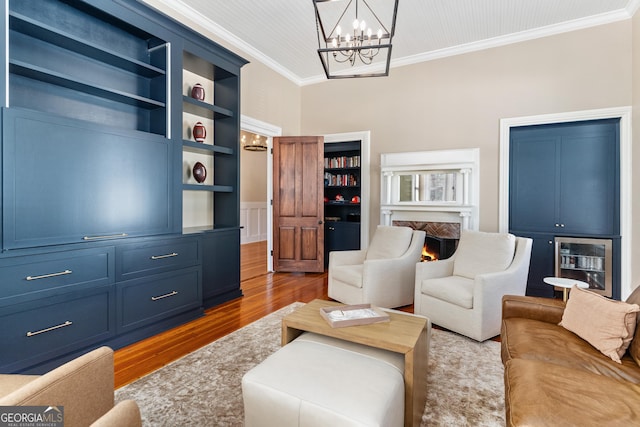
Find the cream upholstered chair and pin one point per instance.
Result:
(464, 293)
(383, 275)
(84, 386)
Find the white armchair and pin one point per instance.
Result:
(383, 275)
(464, 293)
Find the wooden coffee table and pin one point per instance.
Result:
(404, 333)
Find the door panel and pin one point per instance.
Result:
(588, 163)
(532, 183)
(309, 243)
(286, 237)
(298, 204)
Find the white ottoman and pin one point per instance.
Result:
(319, 381)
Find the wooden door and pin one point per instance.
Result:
(298, 204)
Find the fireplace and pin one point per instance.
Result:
(441, 240)
(436, 248)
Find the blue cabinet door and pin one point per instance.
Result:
(564, 179)
(588, 179)
(541, 265)
(220, 266)
(68, 181)
(532, 183)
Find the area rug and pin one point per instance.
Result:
(204, 387)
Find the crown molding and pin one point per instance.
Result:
(537, 33)
(183, 13)
(632, 7)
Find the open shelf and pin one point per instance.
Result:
(213, 188)
(341, 203)
(68, 41)
(59, 79)
(207, 228)
(201, 147)
(204, 109)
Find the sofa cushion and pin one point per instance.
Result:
(349, 274)
(389, 242)
(606, 324)
(538, 340)
(544, 394)
(454, 289)
(479, 253)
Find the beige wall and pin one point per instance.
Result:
(458, 102)
(253, 173)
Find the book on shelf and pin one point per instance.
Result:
(342, 162)
(340, 180)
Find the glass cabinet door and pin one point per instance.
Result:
(587, 260)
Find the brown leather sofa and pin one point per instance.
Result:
(554, 378)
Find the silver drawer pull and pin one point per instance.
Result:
(170, 294)
(164, 256)
(111, 236)
(53, 328)
(46, 276)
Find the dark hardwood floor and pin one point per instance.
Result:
(263, 292)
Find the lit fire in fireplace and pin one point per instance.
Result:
(428, 255)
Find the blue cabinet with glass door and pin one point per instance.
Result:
(564, 180)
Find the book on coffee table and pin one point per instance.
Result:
(352, 315)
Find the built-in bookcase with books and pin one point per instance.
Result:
(342, 196)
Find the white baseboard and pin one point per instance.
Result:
(253, 220)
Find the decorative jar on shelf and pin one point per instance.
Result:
(199, 132)
(197, 92)
(199, 172)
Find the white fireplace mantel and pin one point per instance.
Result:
(402, 170)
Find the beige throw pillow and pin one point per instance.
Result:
(606, 324)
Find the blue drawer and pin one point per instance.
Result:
(142, 259)
(37, 276)
(150, 299)
(40, 330)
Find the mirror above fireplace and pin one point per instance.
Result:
(428, 186)
(440, 186)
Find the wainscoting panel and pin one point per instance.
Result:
(253, 219)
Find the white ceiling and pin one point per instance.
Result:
(282, 33)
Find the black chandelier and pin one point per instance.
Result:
(358, 41)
